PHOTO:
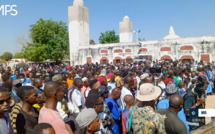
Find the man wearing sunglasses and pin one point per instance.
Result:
(95, 101)
(5, 125)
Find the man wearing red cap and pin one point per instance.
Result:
(102, 80)
(111, 82)
(68, 67)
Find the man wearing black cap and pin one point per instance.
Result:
(104, 92)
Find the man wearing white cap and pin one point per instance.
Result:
(88, 121)
(142, 78)
(144, 118)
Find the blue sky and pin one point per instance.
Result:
(153, 17)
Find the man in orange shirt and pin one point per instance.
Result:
(70, 78)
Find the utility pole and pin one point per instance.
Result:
(137, 31)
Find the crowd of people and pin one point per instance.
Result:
(136, 98)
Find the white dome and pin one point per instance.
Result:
(126, 18)
(78, 2)
(172, 34)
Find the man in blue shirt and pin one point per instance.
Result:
(115, 110)
(170, 90)
(16, 74)
(25, 81)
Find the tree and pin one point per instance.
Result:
(23, 39)
(7, 56)
(92, 42)
(109, 37)
(18, 55)
(141, 39)
(50, 40)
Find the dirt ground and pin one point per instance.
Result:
(210, 104)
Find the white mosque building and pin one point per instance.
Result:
(170, 47)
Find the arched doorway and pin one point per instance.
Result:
(117, 60)
(166, 57)
(104, 60)
(186, 57)
(129, 59)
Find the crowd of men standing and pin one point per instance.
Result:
(104, 99)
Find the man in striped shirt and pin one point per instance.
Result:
(15, 111)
